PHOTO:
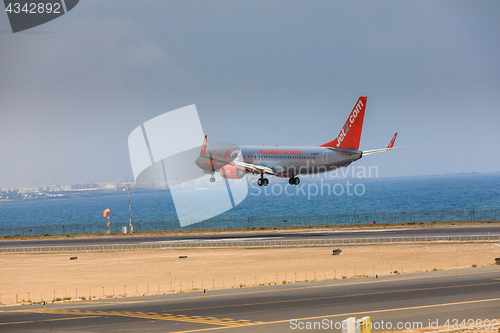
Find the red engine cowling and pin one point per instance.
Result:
(232, 172)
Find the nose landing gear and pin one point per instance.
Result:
(294, 181)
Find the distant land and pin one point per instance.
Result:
(10, 194)
(73, 191)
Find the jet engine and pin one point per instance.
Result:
(232, 172)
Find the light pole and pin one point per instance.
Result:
(129, 211)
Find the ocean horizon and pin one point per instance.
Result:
(313, 196)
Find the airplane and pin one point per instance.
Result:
(291, 161)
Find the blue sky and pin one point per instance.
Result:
(259, 72)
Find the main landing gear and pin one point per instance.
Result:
(262, 181)
(294, 181)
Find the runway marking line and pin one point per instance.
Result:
(336, 296)
(43, 320)
(346, 314)
(153, 316)
(308, 287)
(228, 322)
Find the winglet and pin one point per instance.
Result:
(204, 147)
(389, 147)
(391, 144)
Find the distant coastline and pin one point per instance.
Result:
(81, 190)
(450, 194)
(23, 196)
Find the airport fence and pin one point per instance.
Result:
(264, 221)
(258, 243)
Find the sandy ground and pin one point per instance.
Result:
(137, 272)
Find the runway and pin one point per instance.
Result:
(227, 238)
(431, 297)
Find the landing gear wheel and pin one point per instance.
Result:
(294, 181)
(297, 181)
(262, 182)
(212, 180)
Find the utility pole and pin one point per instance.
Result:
(129, 211)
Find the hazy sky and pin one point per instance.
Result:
(259, 72)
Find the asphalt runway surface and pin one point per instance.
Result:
(482, 230)
(405, 300)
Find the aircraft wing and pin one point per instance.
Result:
(376, 151)
(249, 167)
(389, 147)
(254, 168)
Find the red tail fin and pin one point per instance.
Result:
(391, 144)
(350, 134)
(204, 147)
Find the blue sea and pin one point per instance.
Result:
(364, 195)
